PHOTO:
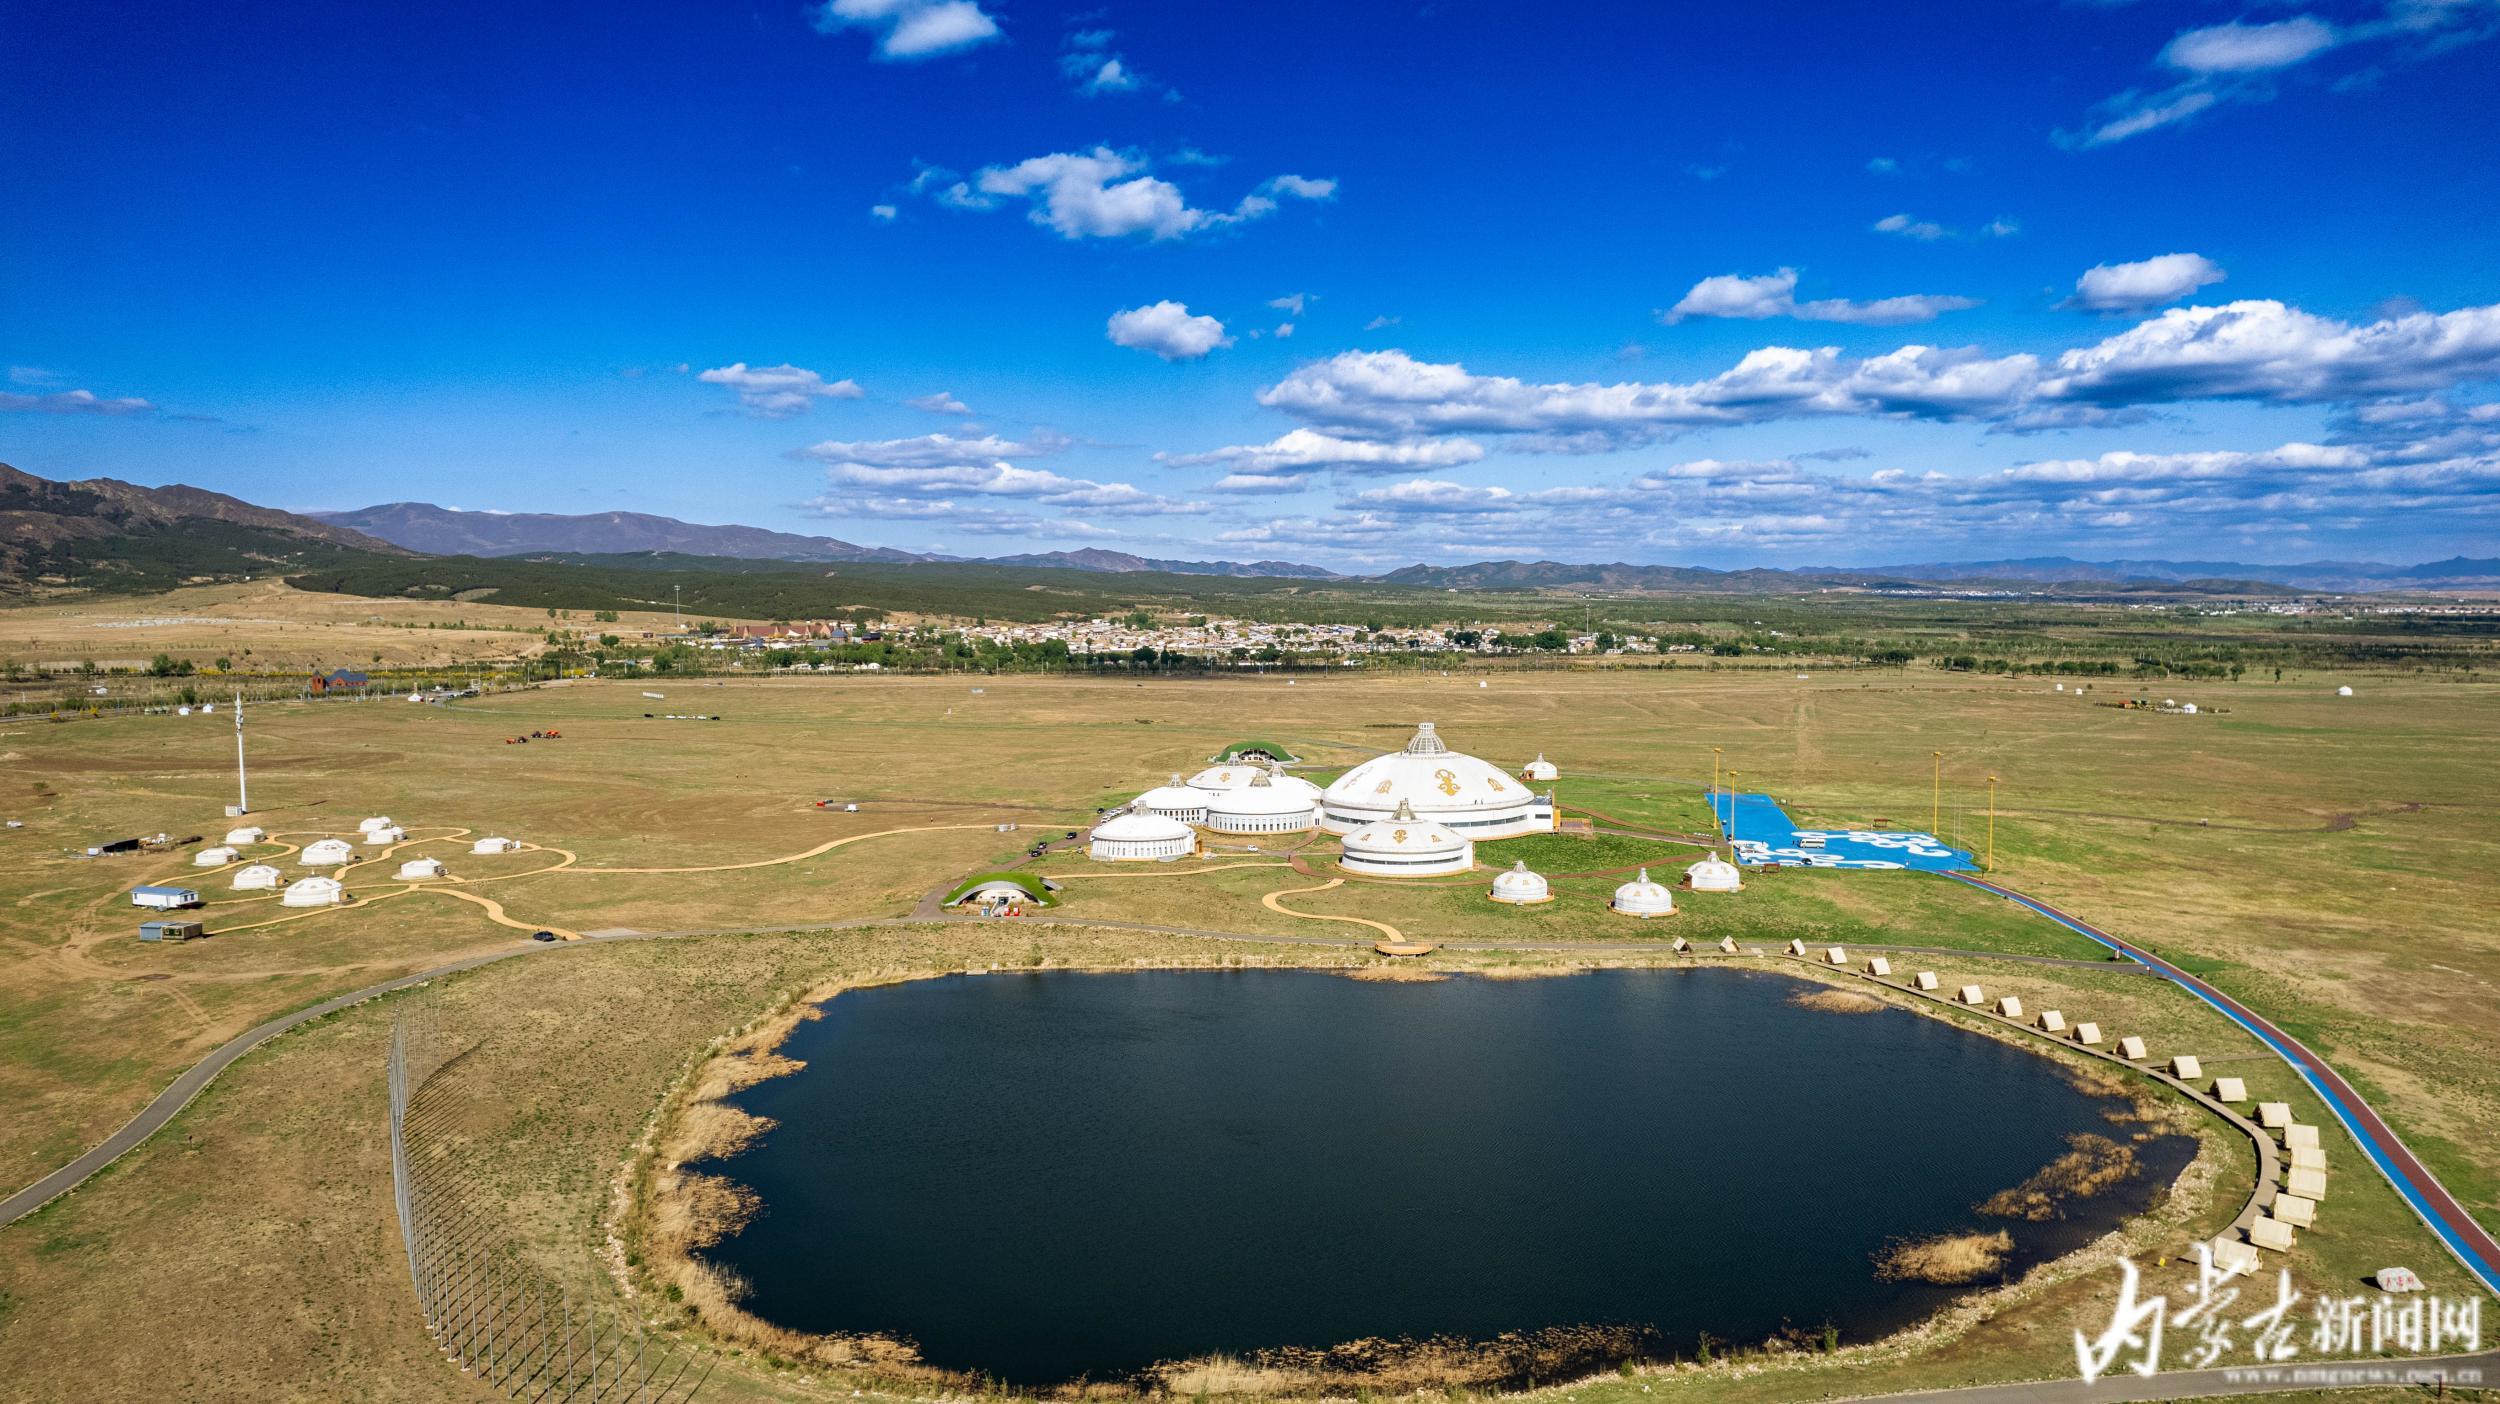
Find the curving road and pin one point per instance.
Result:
(2472, 1244)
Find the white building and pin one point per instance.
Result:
(1173, 801)
(1712, 874)
(313, 892)
(1261, 807)
(1642, 898)
(418, 869)
(324, 853)
(389, 834)
(1467, 796)
(379, 821)
(1540, 769)
(495, 845)
(260, 877)
(1139, 838)
(213, 857)
(1225, 775)
(1521, 888)
(249, 834)
(1405, 845)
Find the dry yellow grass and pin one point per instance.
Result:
(1946, 1260)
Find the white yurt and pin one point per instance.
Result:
(325, 852)
(1540, 769)
(1173, 801)
(1262, 807)
(1642, 898)
(1521, 888)
(416, 869)
(2344, 691)
(1456, 790)
(1403, 845)
(251, 833)
(1713, 875)
(1135, 838)
(313, 892)
(213, 857)
(260, 877)
(496, 845)
(392, 834)
(379, 821)
(1225, 775)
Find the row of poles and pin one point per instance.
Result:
(490, 1314)
(1935, 803)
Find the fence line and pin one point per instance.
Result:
(492, 1315)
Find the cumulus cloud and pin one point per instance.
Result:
(1097, 69)
(2254, 350)
(909, 30)
(938, 402)
(1774, 295)
(932, 474)
(2249, 48)
(2133, 287)
(1290, 302)
(1291, 459)
(1168, 329)
(70, 402)
(1923, 230)
(778, 392)
(1106, 194)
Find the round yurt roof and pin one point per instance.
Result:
(1713, 871)
(1642, 895)
(1520, 882)
(1261, 796)
(1541, 768)
(1172, 796)
(313, 887)
(1403, 834)
(250, 833)
(257, 875)
(1428, 776)
(378, 821)
(213, 857)
(1229, 775)
(1141, 828)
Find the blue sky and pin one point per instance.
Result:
(1358, 285)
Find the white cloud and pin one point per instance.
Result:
(1290, 302)
(1301, 452)
(778, 392)
(1097, 70)
(911, 29)
(1168, 329)
(926, 475)
(884, 212)
(1435, 495)
(1924, 230)
(1774, 295)
(2249, 48)
(1284, 331)
(1883, 165)
(70, 402)
(1106, 194)
(2132, 114)
(938, 402)
(1382, 322)
(2264, 350)
(2133, 287)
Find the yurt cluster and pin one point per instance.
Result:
(326, 889)
(1414, 812)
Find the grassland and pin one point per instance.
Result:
(2330, 861)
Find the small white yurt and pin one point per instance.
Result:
(392, 834)
(260, 877)
(1405, 846)
(313, 892)
(213, 857)
(250, 833)
(1173, 801)
(1642, 898)
(379, 821)
(1261, 807)
(1521, 888)
(1540, 769)
(2344, 691)
(1140, 838)
(326, 852)
(496, 845)
(418, 869)
(1712, 874)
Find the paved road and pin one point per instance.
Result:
(2464, 1371)
(2472, 1244)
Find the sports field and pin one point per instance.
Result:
(2327, 860)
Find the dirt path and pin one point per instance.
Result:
(1272, 904)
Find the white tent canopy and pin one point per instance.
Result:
(323, 852)
(258, 877)
(313, 892)
(1642, 898)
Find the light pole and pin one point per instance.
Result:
(1935, 799)
(242, 782)
(1731, 814)
(1714, 778)
(1991, 867)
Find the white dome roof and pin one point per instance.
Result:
(1713, 875)
(1261, 796)
(1428, 776)
(1172, 796)
(258, 875)
(1404, 835)
(323, 852)
(1141, 828)
(1540, 768)
(1230, 775)
(312, 892)
(376, 822)
(213, 857)
(1521, 885)
(1641, 897)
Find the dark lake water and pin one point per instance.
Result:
(1053, 1176)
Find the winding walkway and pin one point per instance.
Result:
(2472, 1244)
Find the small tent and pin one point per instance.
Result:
(378, 837)
(325, 852)
(313, 892)
(495, 845)
(257, 878)
(379, 821)
(418, 869)
(250, 833)
(213, 857)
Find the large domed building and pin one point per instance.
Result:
(1267, 805)
(1173, 801)
(1404, 845)
(1472, 798)
(1140, 838)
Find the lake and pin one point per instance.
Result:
(1051, 1176)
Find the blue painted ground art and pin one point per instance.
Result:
(1760, 832)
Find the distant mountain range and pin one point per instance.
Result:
(107, 534)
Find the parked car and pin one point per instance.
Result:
(542, 936)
